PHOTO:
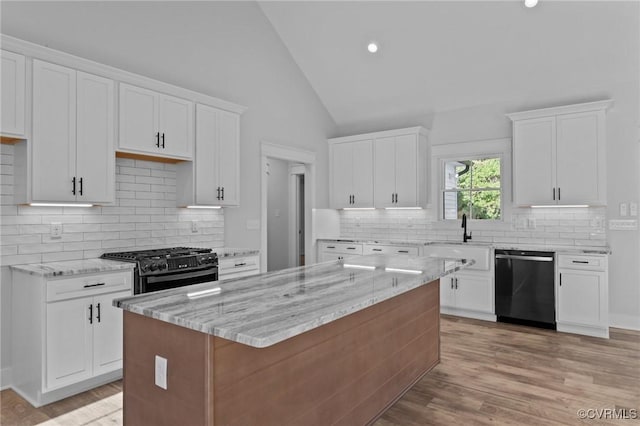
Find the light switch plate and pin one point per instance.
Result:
(194, 226)
(161, 372)
(633, 209)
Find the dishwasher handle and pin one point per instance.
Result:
(531, 258)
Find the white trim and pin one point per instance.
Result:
(383, 134)
(5, 378)
(627, 322)
(294, 171)
(32, 50)
(297, 155)
(468, 314)
(565, 109)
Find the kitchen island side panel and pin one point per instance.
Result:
(346, 372)
(186, 401)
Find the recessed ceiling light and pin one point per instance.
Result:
(530, 3)
(372, 47)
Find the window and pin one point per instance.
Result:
(472, 187)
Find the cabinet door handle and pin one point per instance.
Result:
(91, 313)
(403, 251)
(452, 283)
(554, 194)
(163, 141)
(98, 308)
(93, 285)
(396, 198)
(218, 196)
(560, 279)
(456, 283)
(586, 262)
(351, 248)
(331, 246)
(354, 199)
(81, 185)
(558, 193)
(73, 191)
(158, 139)
(376, 249)
(240, 264)
(223, 193)
(392, 197)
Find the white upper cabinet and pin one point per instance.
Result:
(559, 155)
(72, 149)
(383, 170)
(155, 124)
(396, 171)
(351, 170)
(12, 72)
(213, 178)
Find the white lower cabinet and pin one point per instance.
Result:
(238, 267)
(67, 335)
(470, 292)
(583, 295)
(468, 295)
(328, 251)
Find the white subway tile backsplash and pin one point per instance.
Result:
(143, 216)
(554, 226)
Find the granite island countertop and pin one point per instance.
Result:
(72, 267)
(229, 252)
(265, 309)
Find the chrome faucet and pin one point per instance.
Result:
(465, 237)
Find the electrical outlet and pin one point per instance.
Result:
(410, 222)
(623, 209)
(161, 372)
(56, 230)
(357, 221)
(194, 226)
(531, 223)
(633, 209)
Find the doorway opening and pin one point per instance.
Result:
(288, 197)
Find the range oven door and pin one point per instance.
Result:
(147, 284)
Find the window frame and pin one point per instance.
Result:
(473, 150)
(472, 189)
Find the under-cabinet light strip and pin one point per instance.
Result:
(358, 208)
(59, 205)
(561, 207)
(403, 208)
(203, 207)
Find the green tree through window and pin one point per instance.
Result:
(472, 187)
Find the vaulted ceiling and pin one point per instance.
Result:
(444, 55)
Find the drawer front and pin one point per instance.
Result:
(387, 249)
(238, 264)
(88, 285)
(342, 248)
(588, 263)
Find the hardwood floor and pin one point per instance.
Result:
(490, 373)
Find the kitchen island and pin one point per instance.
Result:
(331, 343)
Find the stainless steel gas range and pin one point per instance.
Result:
(161, 269)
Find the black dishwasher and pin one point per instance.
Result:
(525, 287)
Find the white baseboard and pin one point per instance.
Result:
(468, 314)
(5, 378)
(628, 322)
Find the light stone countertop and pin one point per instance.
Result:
(72, 267)
(227, 252)
(562, 249)
(265, 309)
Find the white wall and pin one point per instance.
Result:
(278, 215)
(223, 49)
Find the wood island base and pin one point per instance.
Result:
(345, 372)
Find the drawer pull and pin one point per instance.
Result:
(91, 314)
(331, 246)
(376, 249)
(403, 251)
(94, 285)
(240, 264)
(580, 261)
(351, 248)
